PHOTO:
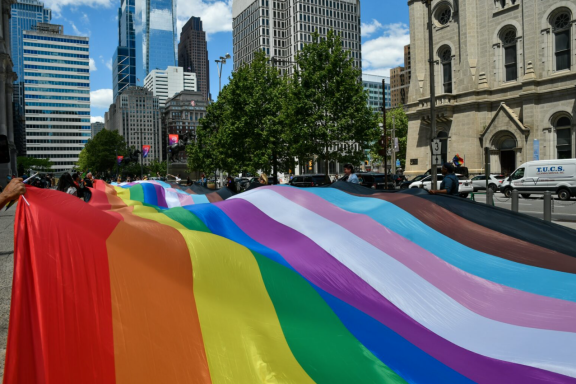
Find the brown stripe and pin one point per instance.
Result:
(157, 336)
(479, 237)
(214, 197)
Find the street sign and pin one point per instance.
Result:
(436, 147)
(397, 162)
(437, 160)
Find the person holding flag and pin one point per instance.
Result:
(12, 191)
(458, 161)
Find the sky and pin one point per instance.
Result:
(385, 31)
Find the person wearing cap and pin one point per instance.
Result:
(449, 185)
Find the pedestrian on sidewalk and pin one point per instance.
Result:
(450, 182)
(66, 184)
(350, 177)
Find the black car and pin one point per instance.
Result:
(407, 183)
(305, 181)
(376, 180)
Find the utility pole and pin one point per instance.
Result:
(434, 167)
(393, 140)
(141, 157)
(384, 140)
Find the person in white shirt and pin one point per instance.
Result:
(350, 175)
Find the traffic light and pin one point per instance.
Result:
(310, 165)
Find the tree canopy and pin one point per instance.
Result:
(99, 153)
(401, 124)
(25, 164)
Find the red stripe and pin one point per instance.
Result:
(61, 315)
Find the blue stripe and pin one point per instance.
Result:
(200, 199)
(403, 357)
(524, 277)
(150, 196)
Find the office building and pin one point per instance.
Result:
(504, 81)
(7, 77)
(135, 115)
(96, 128)
(166, 83)
(182, 114)
(26, 14)
(57, 95)
(193, 54)
(281, 28)
(146, 41)
(400, 80)
(373, 84)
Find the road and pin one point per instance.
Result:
(564, 212)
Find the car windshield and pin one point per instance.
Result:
(318, 179)
(498, 177)
(418, 178)
(462, 177)
(518, 174)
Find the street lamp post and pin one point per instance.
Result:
(434, 167)
(219, 63)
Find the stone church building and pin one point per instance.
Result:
(505, 79)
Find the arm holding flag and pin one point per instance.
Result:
(12, 191)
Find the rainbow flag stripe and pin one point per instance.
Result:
(287, 285)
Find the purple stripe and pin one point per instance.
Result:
(486, 298)
(321, 269)
(161, 194)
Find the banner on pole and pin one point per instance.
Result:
(145, 151)
(536, 149)
(119, 159)
(173, 139)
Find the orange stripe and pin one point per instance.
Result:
(157, 339)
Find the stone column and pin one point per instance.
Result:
(3, 123)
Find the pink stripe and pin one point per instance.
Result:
(185, 199)
(505, 304)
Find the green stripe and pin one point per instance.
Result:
(187, 219)
(137, 193)
(320, 342)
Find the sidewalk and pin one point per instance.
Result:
(6, 271)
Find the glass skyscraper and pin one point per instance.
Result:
(25, 15)
(146, 41)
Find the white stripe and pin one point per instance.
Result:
(545, 349)
(172, 199)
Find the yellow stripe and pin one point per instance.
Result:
(242, 335)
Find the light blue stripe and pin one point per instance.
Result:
(536, 280)
(200, 199)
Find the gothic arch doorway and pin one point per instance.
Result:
(504, 146)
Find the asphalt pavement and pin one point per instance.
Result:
(563, 213)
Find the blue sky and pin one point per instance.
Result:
(385, 32)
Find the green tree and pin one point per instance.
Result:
(157, 166)
(401, 133)
(99, 153)
(243, 130)
(25, 164)
(327, 104)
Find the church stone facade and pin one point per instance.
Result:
(505, 79)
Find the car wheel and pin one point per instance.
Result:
(508, 192)
(493, 187)
(564, 194)
(525, 195)
(464, 195)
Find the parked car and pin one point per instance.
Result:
(304, 181)
(556, 176)
(376, 180)
(406, 184)
(457, 170)
(495, 182)
(464, 186)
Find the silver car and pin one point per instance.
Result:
(495, 182)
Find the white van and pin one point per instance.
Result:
(556, 176)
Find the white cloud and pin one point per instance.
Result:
(101, 98)
(109, 64)
(216, 15)
(370, 28)
(382, 53)
(57, 5)
(93, 65)
(96, 119)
